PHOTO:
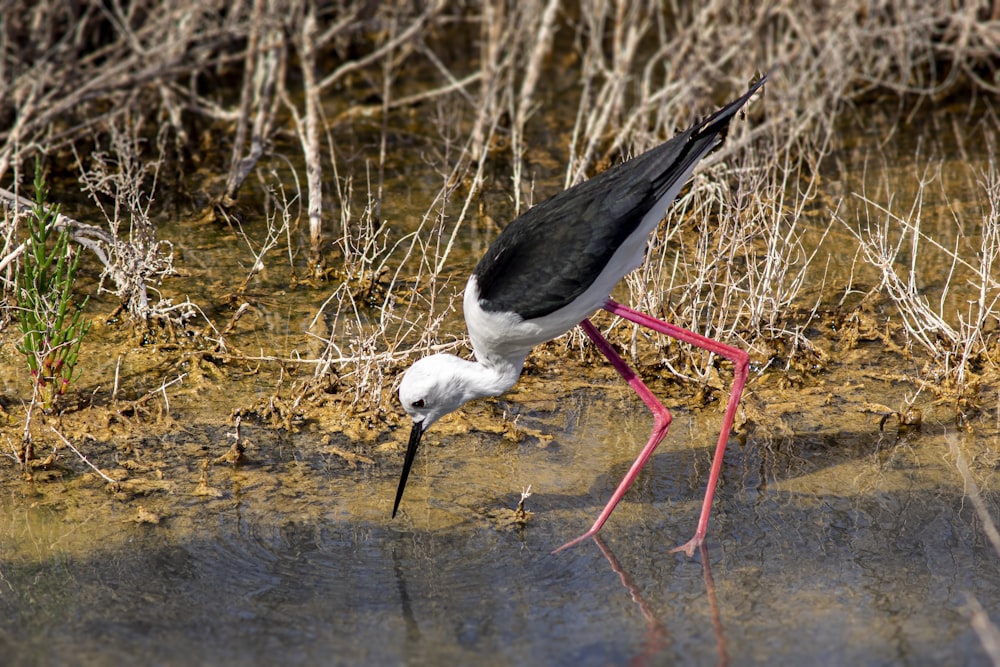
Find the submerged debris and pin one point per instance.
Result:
(911, 418)
(143, 515)
(203, 489)
(518, 517)
(351, 458)
(236, 453)
(520, 513)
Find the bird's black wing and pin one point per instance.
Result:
(554, 251)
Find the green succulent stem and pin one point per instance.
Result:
(51, 321)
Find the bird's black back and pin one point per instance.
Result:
(554, 251)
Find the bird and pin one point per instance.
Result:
(550, 270)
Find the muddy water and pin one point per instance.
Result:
(843, 547)
(832, 541)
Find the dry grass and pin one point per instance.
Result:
(132, 91)
(956, 324)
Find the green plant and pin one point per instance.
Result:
(51, 322)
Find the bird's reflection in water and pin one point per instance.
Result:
(657, 637)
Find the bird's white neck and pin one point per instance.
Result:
(441, 383)
(492, 375)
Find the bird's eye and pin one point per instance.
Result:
(419, 403)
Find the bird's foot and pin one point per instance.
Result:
(590, 533)
(689, 547)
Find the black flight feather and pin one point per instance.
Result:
(536, 265)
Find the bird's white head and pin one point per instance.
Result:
(433, 387)
(442, 383)
(430, 389)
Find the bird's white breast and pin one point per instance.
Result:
(506, 334)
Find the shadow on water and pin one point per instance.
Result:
(297, 593)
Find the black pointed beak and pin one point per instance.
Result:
(411, 451)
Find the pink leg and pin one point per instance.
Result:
(661, 422)
(661, 416)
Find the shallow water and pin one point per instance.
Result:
(832, 541)
(819, 554)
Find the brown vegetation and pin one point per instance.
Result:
(327, 121)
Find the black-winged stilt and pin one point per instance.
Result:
(551, 269)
